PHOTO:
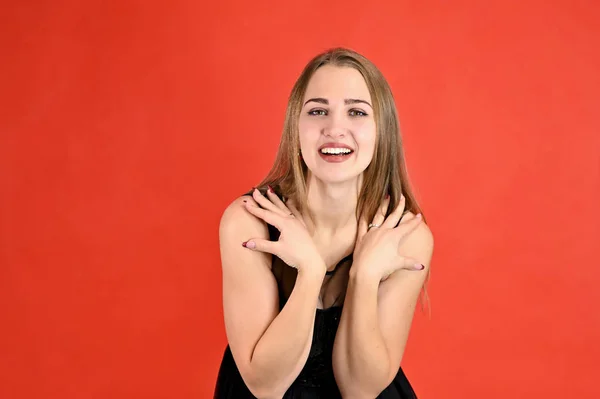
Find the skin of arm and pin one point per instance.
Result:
(269, 347)
(376, 321)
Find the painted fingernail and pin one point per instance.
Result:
(248, 244)
(387, 196)
(419, 266)
(270, 188)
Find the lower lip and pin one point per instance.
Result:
(335, 158)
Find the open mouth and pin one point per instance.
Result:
(336, 151)
(335, 154)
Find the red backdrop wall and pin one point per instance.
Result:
(127, 127)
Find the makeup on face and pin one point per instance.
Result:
(335, 152)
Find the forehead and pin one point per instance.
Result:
(332, 82)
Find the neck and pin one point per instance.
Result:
(333, 206)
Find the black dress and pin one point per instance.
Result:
(316, 380)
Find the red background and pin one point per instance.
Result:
(127, 127)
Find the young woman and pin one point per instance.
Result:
(324, 262)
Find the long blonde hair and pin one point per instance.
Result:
(386, 174)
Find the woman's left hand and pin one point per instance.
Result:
(377, 248)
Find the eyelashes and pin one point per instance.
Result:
(322, 112)
(314, 112)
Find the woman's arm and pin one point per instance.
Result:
(376, 321)
(270, 347)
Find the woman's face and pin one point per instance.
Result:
(337, 127)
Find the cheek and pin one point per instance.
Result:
(308, 131)
(307, 124)
(366, 135)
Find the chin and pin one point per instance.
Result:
(336, 177)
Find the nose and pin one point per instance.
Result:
(334, 132)
(335, 127)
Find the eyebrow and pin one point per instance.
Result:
(347, 101)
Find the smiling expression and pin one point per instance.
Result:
(337, 126)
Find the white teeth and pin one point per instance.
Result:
(335, 151)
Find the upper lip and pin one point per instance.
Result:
(335, 145)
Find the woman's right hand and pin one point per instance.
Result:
(295, 245)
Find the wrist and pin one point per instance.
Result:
(363, 273)
(312, 268)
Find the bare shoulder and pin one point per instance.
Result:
(422, 233)
(419, 243)
(238, 225)
(236, 222)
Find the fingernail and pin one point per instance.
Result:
(419, 266)
(387, 196)
(248, 244)
(270, 188)
(419, 216)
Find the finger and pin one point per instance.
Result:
(411, 264)
(394, 217)
(267, 215)
(277, 201)
(295, 212)
(407, 227)
(362, 228)
(406, 217)
(261, 245)
(264, 202)
(379, 217)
